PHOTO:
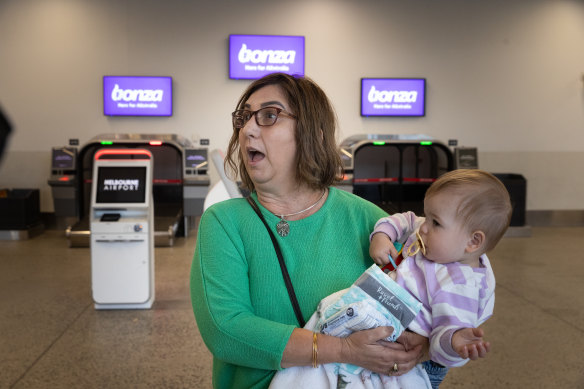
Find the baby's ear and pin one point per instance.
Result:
(476, 241)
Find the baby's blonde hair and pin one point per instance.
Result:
(485, 204)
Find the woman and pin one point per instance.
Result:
(284, 149)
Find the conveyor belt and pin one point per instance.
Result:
(165, 229)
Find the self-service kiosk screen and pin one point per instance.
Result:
(196, 159)
(63, 158)
(121, 184)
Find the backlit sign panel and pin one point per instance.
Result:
(137, 96)
(393, 96)
(254, 56)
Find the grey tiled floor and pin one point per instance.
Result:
(51, 337)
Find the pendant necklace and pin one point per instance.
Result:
(283, 228)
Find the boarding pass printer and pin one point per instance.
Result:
(122, 229)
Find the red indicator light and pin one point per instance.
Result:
(105, 152)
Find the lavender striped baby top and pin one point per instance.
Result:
(453, 295)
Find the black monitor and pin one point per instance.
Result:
(196, 159)
(121, 185)
(63, 158)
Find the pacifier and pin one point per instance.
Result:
(416, 246)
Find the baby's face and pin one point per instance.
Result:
(443, 234)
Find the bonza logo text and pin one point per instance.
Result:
(391, 96)
(265, 56)
(142, 95)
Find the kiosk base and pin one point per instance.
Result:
(122, 267)
(146, 305)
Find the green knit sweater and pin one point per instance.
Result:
(238, 294)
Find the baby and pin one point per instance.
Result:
(446, 270)
(466, 214)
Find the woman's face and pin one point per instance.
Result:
(269, 151)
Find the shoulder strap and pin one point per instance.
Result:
(285, 274)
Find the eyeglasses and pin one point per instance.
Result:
(266, 116)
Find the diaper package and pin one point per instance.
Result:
(373, 300)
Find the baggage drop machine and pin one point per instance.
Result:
(64, 183)
(195, 184)
(393, 171)
(122, 229)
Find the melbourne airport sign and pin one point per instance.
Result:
(393, 96)
(254, 56)
(137, 96)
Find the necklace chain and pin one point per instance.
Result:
(283, 228)
(304, 210)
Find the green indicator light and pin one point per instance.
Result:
(426, 143)
(107, 142)
(378, 143)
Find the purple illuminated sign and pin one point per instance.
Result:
(137, 96)
(254, 56)
(393, 96)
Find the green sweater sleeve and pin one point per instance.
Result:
(220, 292)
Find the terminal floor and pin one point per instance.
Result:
(51, 337)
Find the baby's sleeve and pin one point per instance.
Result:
(398, 226)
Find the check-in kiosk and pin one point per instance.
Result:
(170, 176)
(64, 181)
(122, 220)
(393, 171)
(195, 182)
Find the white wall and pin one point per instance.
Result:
(506, 77)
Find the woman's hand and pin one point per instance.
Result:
(368, 349)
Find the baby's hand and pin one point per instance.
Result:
(380, 247)
(469, 343)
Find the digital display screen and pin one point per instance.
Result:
(63, 158)
(137, 96)
(254, 56)
(393, 96)
(119, 184)
(195, 159)
(466, 157)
